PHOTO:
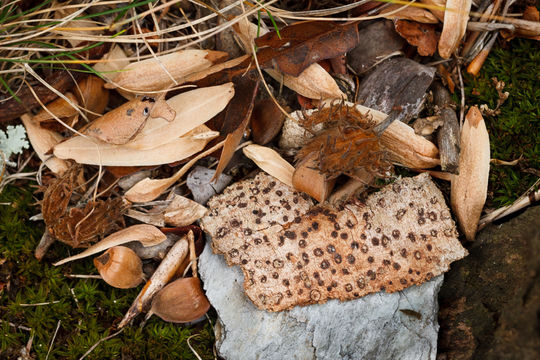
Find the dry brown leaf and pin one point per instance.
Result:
(271, 162)
(409, 13)
(314, 82)
(147, 235)
(308, 179)
(92, 96)
(469, 188)
(456, 17)
(423, 36)
(402, 235)
(193, 108)
(149, 75)
(86, 150)
(42, 141)
(120, 125)
(266, 121)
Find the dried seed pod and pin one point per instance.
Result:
(120, 267)
(181, 301)
(469, 189)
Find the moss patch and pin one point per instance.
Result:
(86, 308)
(515, 132)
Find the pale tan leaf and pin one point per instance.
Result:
(271, 162)
(112, 63)
(163, 71)
(436, 7)
(469, 189)
(193, 108)
(147, 235)
(42, 141)
(86, 150)
(149, 189)
(456, 17)
(59, 107)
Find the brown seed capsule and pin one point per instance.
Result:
(181, 301)
(120, 267)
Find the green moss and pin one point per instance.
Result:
(515, 132)
(97, 308)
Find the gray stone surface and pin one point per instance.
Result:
(401, 325)
(199, 181)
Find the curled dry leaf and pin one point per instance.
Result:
(180, 212)
(120, 267)
(92, 96)
(147, 235)
(181, 301)
(193, 108)
(163, 274)
(271, 162)
(120, 125)
(456, 17)
(400, 236)
(90, 151)
(309, 179)
(63, 110)
(423, 36)
(150, 74)
(314, 82)
(409, 13)
(149, 189)
(42, 141)
(469, 188)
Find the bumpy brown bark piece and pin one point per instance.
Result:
(403, 235)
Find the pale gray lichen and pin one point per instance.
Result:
(13, 141)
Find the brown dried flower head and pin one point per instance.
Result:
(346, 143)
(81, 225)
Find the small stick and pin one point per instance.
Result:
(40, 304)
(21, 327)
(192, 254)
(54, 337)
(448, 138)
(165, 271)
(82, 276)
(99, 342)
(46, 241)
(476, 64)
(519, 204)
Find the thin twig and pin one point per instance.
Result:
(21, 327)
(54, 337)
(99, 342)
(40, 304)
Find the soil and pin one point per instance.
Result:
(490, 301)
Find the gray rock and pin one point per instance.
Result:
(402, 325)
(201, 186)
